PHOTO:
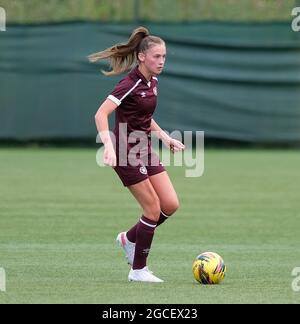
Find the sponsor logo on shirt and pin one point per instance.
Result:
(155, 91)
(143, 94)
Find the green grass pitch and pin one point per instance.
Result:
(60, 213)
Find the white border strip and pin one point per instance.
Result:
(117, 101)
(114, 99)
(147, 223)
(164, 214)
(127, 93)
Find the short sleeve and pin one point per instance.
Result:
(121, 91)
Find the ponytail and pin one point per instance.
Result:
(123, 56)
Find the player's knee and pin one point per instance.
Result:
(171, 206)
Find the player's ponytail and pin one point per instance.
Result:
(123, 56)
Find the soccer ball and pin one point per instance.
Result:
(209, 268)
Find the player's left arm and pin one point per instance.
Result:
(171, 143)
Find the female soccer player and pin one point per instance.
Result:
(134, 99)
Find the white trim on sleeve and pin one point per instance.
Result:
(128, 92)
(117, 101)
(114, 99)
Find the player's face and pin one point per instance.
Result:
(154, 59)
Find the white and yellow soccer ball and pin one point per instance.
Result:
(209, 268)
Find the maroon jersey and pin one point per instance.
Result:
(136, 99)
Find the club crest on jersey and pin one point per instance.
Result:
(155, 91)
(143, 170)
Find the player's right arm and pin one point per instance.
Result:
(119, 93)
(101, 119)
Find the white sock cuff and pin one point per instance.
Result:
(145, 223)
(164, 214)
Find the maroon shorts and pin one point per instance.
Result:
(131, 175)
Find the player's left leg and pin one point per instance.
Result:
(166, 193)
(168, 200)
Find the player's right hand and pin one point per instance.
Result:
(109, 157)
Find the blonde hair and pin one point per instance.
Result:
(122, 57)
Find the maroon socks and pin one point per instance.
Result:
(131, 234)
(162, 217)
(144, 235)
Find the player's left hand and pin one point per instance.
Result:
(175, 145)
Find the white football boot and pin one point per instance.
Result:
(142, 275)
(128, 247)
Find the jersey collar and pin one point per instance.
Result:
(136, 74)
